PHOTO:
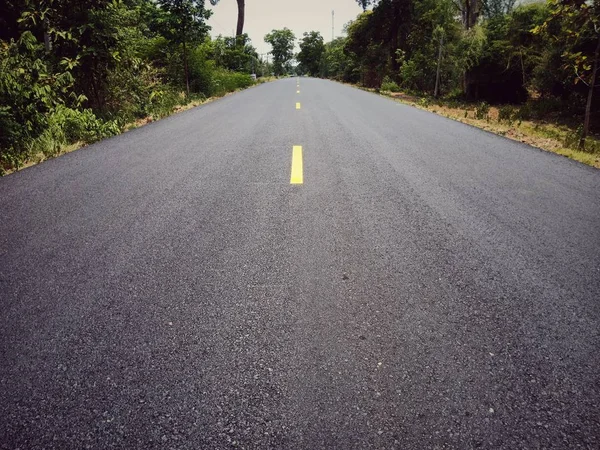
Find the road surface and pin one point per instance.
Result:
(301, 265)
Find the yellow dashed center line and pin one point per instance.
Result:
(297, 177)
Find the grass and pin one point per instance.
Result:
(39, 157)
(551, 137)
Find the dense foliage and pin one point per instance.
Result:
(282, 44)
(74, 71)
(311, 52)
(543, 55)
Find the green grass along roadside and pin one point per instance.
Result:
(184, 106)
(504, 121)
(554, 138)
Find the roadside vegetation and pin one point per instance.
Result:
(521, 124)
(528, 70)
(74, 72)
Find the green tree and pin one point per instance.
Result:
(29, 92)
(431, 56)
(576, 24)
(311, 52)
(282, 44)
(337, 64)
(236, 53)
(184, 23)
(495, 8)
(365, 46)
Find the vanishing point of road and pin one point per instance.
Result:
(301, 265)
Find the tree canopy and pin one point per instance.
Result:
(311, 52)
(282, 48)
(545, 54)
(74, 71)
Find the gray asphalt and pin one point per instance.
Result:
(429, 286)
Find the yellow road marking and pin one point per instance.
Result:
(297, 105)
(296, 177)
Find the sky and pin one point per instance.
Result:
(262, 16)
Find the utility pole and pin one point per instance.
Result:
(332, 25)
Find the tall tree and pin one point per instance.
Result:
(282, 44)
(337, 64)
(311, 51)
(579, 30)
(185, 23)
(494, 8)
(241, 15)
(366, 47)
(236, 53)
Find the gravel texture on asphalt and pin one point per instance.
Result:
(429, 286)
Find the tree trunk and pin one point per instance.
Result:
(588, 105)
(523, 68)
(47, 41)
(241, 15)
(186, 69)
(470, 13)
(439, 64)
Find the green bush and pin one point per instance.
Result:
(66, 126)
(74, 125)
(545, 106)
(424, 102)
(572, 138)
(524, 112)
(482, 111)
(163, 102)
(506, 114)
(224, 81)
(389, 85)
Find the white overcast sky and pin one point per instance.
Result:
(262, 16)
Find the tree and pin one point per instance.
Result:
(368, 45)
(29, 92)
(282, 43)
(337, 64)
(470, 11)
(184, 23)
(311, 52)
(430, 60)
(236, 53)
(495, 8)
(241, 15)
(576, 24)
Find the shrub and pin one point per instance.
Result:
(66, 126)
(163, 102)
(572, 138)
(506, 114)
(71, 125)
(544, 106)
(524, 112)
(389, 85)
(225, 81)
(482, 111)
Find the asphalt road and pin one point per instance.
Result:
(428, 285)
